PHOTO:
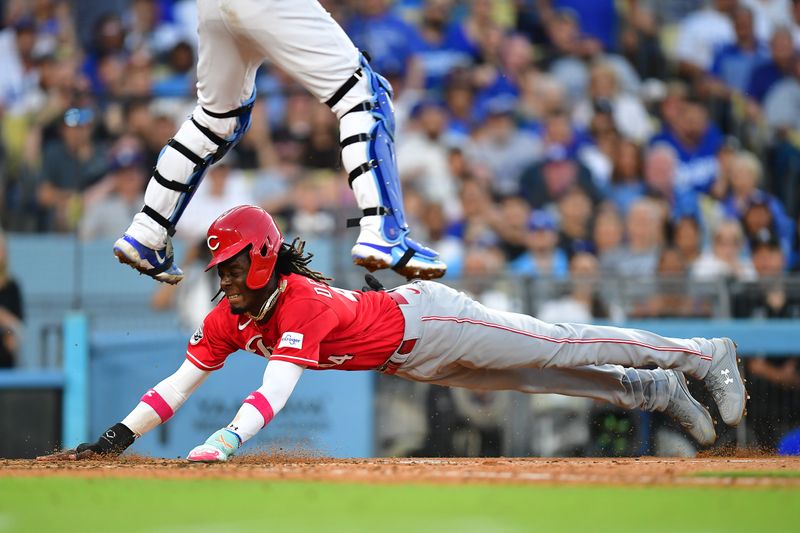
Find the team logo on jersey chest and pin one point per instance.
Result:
(255, 344)
(197, 336)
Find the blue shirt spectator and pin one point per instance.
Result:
(762, 78)
(179, 81)
(696, 142)
(543, 257)
(733, 63)
(388, 40)
(438, 60)
(431, 45)
(463, 35)
(625, 194)
(780, 223)
(597, 19)
(771, 71)
(527, 265)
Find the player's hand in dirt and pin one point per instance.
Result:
(111, 443)
(71, 455)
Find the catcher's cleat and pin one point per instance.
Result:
(725, 383)
(158, 264)
(218, 448)
(406, 257)
(688, 412)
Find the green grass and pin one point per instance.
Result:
(751, 473)
(60, 504)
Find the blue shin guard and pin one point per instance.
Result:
(395, 249)
(243, 116)
(201, 147)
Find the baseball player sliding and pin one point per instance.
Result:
(300, 37)
(279, 309)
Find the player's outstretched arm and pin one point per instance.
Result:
(111, 443)
(156, 406)
(258, 409)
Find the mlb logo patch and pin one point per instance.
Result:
(197, 336)
(291, 340)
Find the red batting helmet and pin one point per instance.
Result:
(244, 226)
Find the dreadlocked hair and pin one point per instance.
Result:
(293, 260)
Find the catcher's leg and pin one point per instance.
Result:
(368, 155)
(305, 42)
(226, 95)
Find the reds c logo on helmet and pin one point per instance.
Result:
(240, 227)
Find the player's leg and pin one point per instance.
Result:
(225, 92)
(465, 332)
(629, 388)
(304, 41)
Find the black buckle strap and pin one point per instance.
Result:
(353, 139)
(368, 212)
(171, 184)
(345, 88)
(213, 137)
(361, 169)
(163, 222)
(188, 154)
(230, 114)
(405, 259)
(363, 106)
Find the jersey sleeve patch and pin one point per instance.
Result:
(197, 336)
(212, 342)
(291, 339)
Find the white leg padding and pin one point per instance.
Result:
(176, 167)
(360, 92)
(364, 186)
(354, 155)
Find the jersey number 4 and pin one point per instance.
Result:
(336, 360)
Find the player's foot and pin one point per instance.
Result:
(725, 383)
(686, 411)
(218, 448)
(158, 264)
(406, 257)
(205, 453)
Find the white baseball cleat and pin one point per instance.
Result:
(158, 264)
(407, 257)
(686, 411)
(206, 453)
(725, 383)
(217, 448)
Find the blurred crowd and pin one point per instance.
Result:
(537, 137)
(552, 139)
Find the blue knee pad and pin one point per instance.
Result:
(382, 158)
(243, 116)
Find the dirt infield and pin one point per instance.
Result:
(717, 471)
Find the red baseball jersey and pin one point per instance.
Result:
(313, 324)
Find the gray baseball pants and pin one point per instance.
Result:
(456, 341)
